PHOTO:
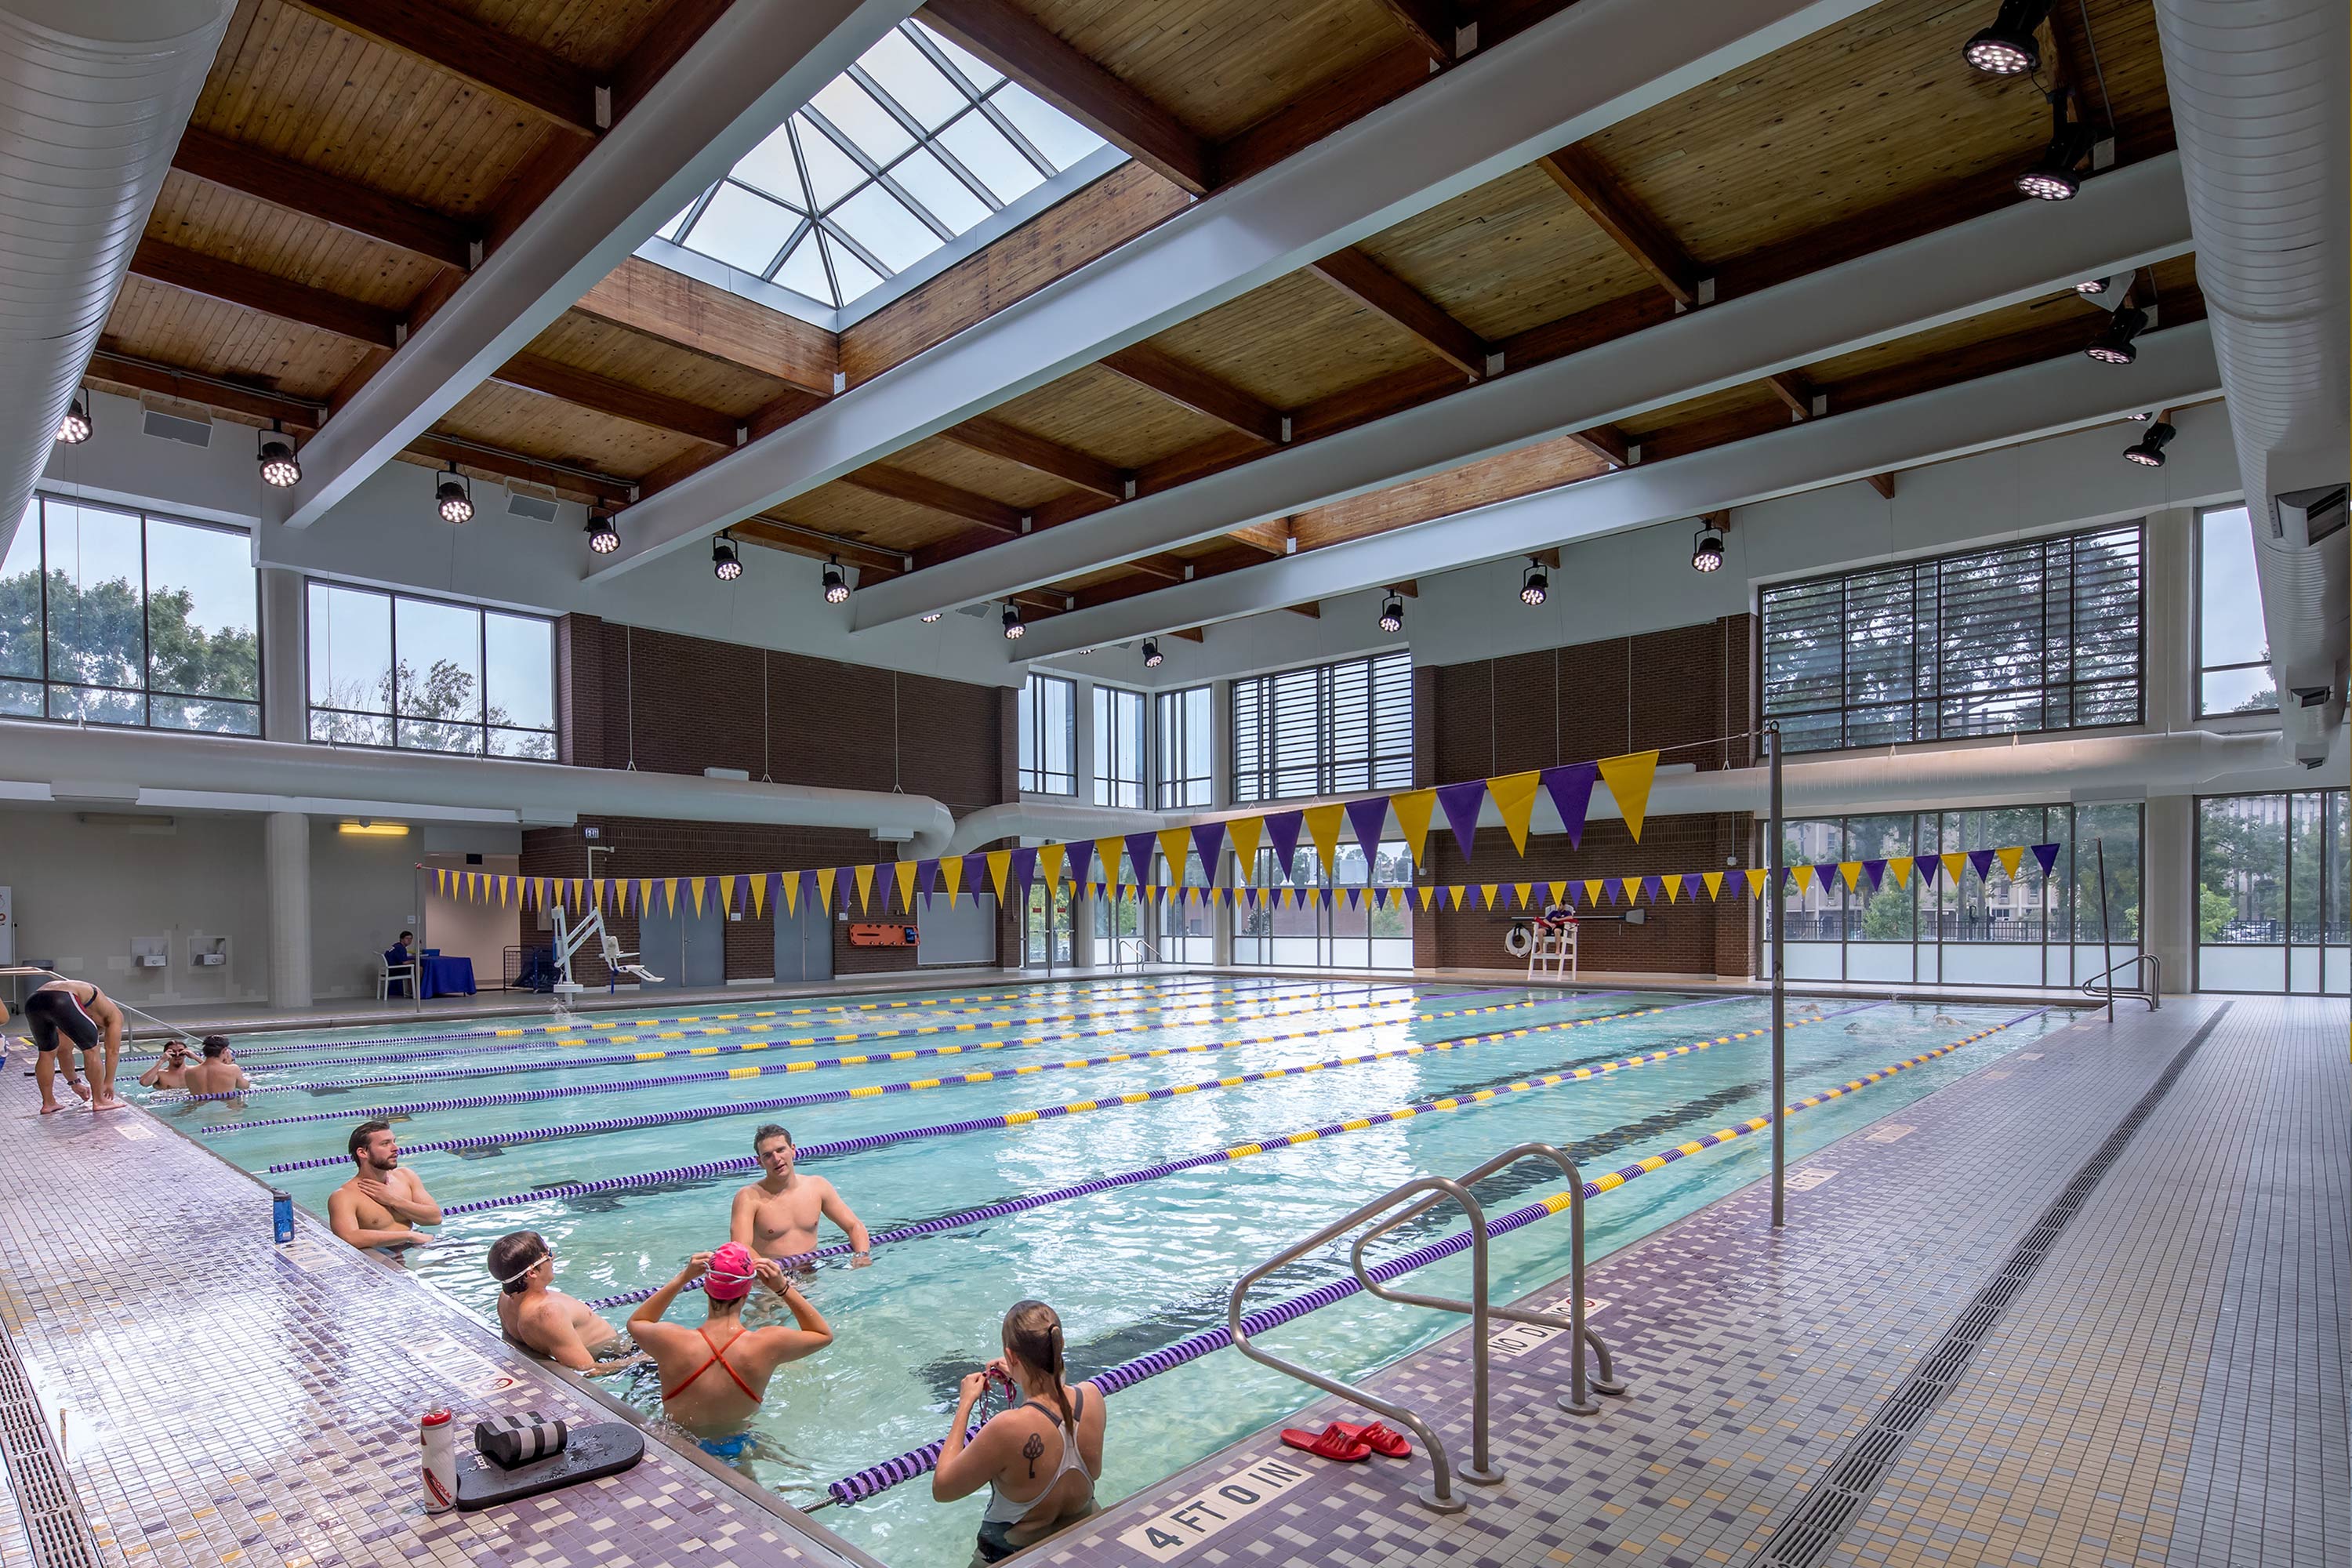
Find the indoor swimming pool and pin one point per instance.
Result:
(1133, 1268)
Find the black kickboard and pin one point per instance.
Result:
(605, 1449)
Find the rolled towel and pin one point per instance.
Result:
(507, 1441)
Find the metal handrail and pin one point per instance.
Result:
(1439, 1495)
(172, 1029)
(2149, 993)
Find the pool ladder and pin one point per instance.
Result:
(1427, 1193)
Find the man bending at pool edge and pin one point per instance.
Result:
(66, 1016)
(776, 1215)
(379, 1209)
(713, 1384)
(544, 1320)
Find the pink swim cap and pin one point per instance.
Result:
(732, 1270)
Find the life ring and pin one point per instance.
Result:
(1520, 941)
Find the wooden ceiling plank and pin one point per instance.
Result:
(1596, 190)
(551, 88)
(1606, 442)
(1376, 288)
(1273, 538)
(255, 291)
(594, 489)
(1321, 111)
(696, 315)
(264, 175)
(1429, 24)
(780, 534)
(1200, 391)
(904, 484)
(1036, 453)
(168, 381)
(1016, 44)
(550, 378)
(1792, 388)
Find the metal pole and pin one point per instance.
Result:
(1776, 913)
(2107, 942)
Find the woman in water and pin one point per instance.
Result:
(715, 1374)
(1039, 1458)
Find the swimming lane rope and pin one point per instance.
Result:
(880, 1478)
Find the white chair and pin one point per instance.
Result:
(387, 971)
(619, 962)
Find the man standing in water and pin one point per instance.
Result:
(379, 1209)
(217, 1073)
(544, 1320)
(776, 1215)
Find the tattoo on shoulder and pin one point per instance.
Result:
(1033, 1450)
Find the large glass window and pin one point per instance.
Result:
(119, 617)
(1181, 764)
(1119, 742)
(2273, 874)
(423, 675)
(1048, 736)
(1329, 729)
(1973, 929)
(1358, 935)
(2234, 650)
(2044, 635)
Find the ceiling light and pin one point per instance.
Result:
(1535, 585)
(75, 428)
(725, 565)
(374, 829)
(1153, 658)
(2149, 450)
(1707, 549)
(932, 619)
(2092, 286)
(2058, 175)
(1013, 630)
(280, 469)
(1392, 611)
(2009, 48)
(2113, 346)
(604, 538)
(455, 500)
(836, 586)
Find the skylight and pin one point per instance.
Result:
(914, 148)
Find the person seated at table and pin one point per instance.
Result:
(712, 1386)
(401, 954)
(169, 1071)
(379, 1209)
(1040, 1457)
(217, 1072)
(547, 1322)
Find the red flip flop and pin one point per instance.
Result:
(1332, 1442)
(1378, 1438)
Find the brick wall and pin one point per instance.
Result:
(1661, 688)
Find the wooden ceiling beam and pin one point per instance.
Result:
(1607, 443)
(1792, 388)
(549, 87)
(1190, 634)
(1197, 390)
(602, 394)
(1622, 218)
(920, 489)
(1365, 280)
(1883, 484)
(597, 490)
(1430, 23)
(1276, 538)
(779, 533)
(197, 273)
(1016, 43)
(709, 321)
(297, 187)
(186, 386)
(1038, 455)
(1312, 609)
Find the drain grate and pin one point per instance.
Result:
(1813, 1528)
(54, 1523)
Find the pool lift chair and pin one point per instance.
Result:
(570, 938)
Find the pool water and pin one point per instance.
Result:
(1131, 1270)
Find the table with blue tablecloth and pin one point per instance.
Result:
(437, 977)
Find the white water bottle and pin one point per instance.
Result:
(437, 1433)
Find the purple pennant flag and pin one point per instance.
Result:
(927, 877)
(1324, 894)
(1282, 830)
(1828, 877)
(808, 887)
(1368, 817)
(2048, 854)
(1571, 789)
(1355, 897)
(1022, 869)
(1874, 872)
(1929, 867)
(1461, 802)
(1982, 860)
(1654, 888)
(1575, 891)
(1209, 839)
(1139, 854)
(1082, 853)
(975, 877)
(1611, 887)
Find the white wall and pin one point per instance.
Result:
(464, 928)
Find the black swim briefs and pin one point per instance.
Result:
(54, 1010)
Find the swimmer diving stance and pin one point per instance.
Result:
(66, 1016)
(714, 1376)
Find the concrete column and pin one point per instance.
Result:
(286, 854)
(285, 700)
(1082, 929)
(2170, 694)
(2168, 853)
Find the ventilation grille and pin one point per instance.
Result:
(53, 1518)
(1810, 1532)
(532, 507)
(171, 428)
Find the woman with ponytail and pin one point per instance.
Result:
(1039, 1456)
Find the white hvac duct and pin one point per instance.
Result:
(115, 766)
(2258, 105)
(93, 97)
(1049, 820)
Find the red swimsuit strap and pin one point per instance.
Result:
(718, 1360)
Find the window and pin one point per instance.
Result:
(1326, 730)
(117, 617)
(1119, 747)
(1048, 740)
(1344, 936)
(2275, 892)
(1181, 766)
(2233, 651)
(420, 675)
(2045, 636)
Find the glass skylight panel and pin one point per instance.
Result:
(944, 196)
(871, 129)
(1063, 140)
(831, 172)
(912, 81)
(980, 76)
(742, 228)
(804, 271)
(981, 147)
(774, 168)
(885, 229)
(851, 276)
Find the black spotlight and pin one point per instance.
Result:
(1153, 658)
(75, 428)
(1707, 549)
(725, 564)
(456, 501)
(2149, 450)
(1013, 630)
(2113, 346)
(2009, 48)
(2057, 176)
(836, 586)
(1535, 587)
(931, 619)
(1392, 611)
(280, 469)
(602, 537)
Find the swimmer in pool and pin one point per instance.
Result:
(714, 1376)
(379, 1209)
(171, 1069)
(547, 1322)
(776, 1215)
(66, 1016)
(217, 1072)
(1039, 1458)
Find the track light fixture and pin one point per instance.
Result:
(2113, 346)
(1153, 658)
(2008, 47)
(454, 497)
(836, 586)
(76, 427)
(280, 469)
(2149, 450)
(1535, 584)
(1707, 548)
(725, 564)
(604, 538)
(931, 619)
(1013, 630)
(1392, 611)
(2057, 176)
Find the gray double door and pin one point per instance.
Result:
(804, 944)
(685, 947)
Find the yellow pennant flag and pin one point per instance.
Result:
(952, 873)
(904, 871)
(1176, 843)
(1714, 880)
(1899, 867)
(999, 864)
(1456, 890)
(1515, 798)
(441, 880)
(669, 893)
(760, 896)
(1559, 892)
(1107, 851)
(644, 894)
(1244, 832)
(1803, 877)
(1592, 890)
(1756, 883)
(1049, 862)
(864, 889)
(791, 885)
(1412, 812)
(1488, 890)
(1851, 871)
(1523, 889)
(726, 895)
(1425, 892)
(698, 886)
(824, 880)
(2010, 858)
(1629, 779)
(1953, 866)
(1673, 882)
(1323, 826)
